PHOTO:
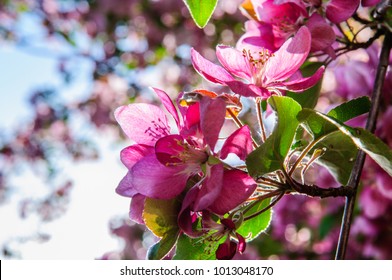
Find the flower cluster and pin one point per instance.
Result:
(165, 164)
(183, 185)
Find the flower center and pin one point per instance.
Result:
(284, 25)
(192, 155)
(256, 65)
(184, 153)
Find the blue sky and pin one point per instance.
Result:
(83, 232)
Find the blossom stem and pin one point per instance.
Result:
(359, 162)
(234, 117)
(262, 197)
(302, 155)
(279, 196)
(260, 119)
(269, 182)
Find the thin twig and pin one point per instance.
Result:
(302, 156)
(357, 169)
(260, 118)
(265, 208)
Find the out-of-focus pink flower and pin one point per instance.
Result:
(372, 202)
(266, 73)
(368, 3)
(355, 72)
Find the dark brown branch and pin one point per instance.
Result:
(315, 191)
(361, 20)
(381, 9)
(357, 169)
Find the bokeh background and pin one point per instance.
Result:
(65, 65)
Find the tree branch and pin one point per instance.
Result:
(357, 169)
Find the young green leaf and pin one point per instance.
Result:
(196, 249)
(271, 154)
(201, 10)
(364, 140)
(160, 249)
(255, 226)
(350, 109)
(160, 216)
(339, 156)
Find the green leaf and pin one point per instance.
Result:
(196, 249)
(160, 216)
(372, 146)
(315, 124)
(309, 97)
(351, 109)
(255, 226)
(339, 157)
(271, 154)
(364, 140)
(160, 249)
(201, 10)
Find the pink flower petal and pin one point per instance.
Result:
(192, 116)
(322, 33)
(237, 186)
(285, 13)
(125, 187)
(226, 250)
(143, 123)
(257, 36)
(241, 243)
(289, 58)
(168, 103)
(209, 70)
(247, 90)
(239, 143)
(234, 61)
(340, 10)
(185, 217)
(136, 208)
(305, 83)
(153, 179)
(132, 154)
(212, 112)
(210, 188)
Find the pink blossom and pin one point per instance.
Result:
(265, 73)
(372, 202)
(335, 10)
(160, 163)
(225, 229)
(340, 10)
(273, 22)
